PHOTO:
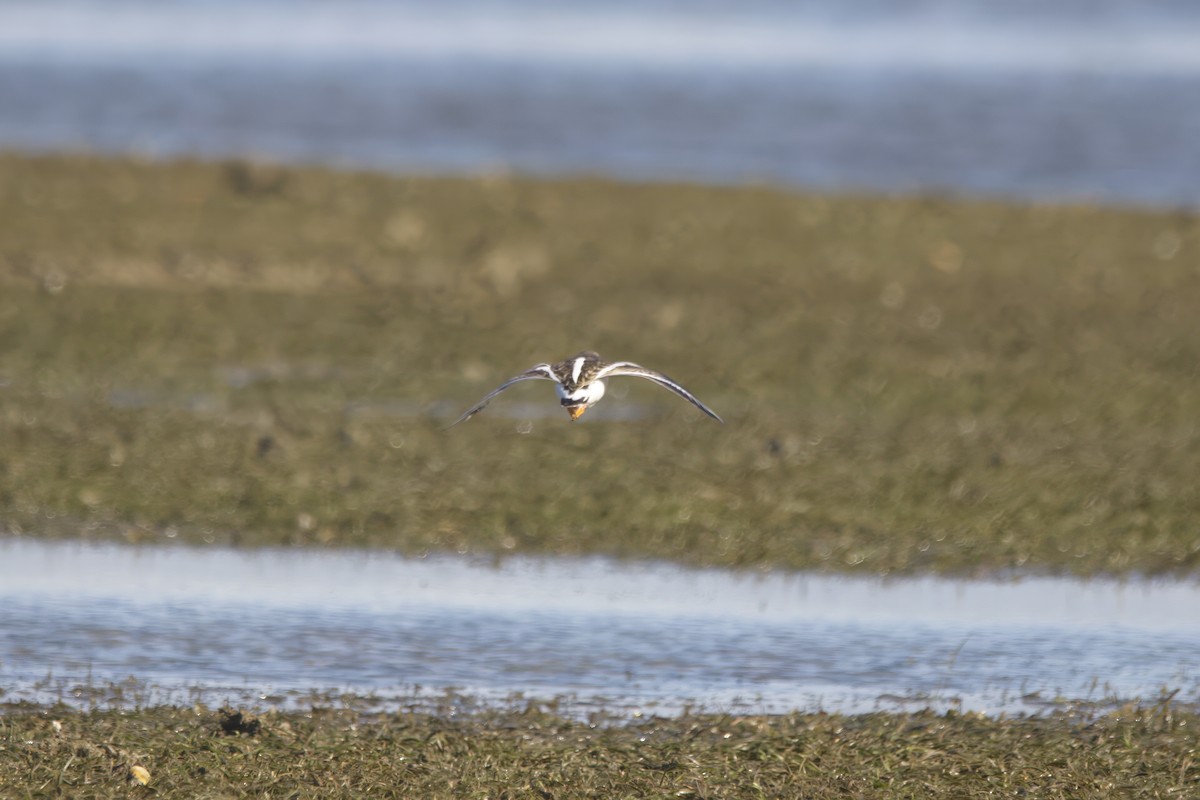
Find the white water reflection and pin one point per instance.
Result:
(1075, 99)
(600, 633)
(449, 410)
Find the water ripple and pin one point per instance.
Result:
(215, 623)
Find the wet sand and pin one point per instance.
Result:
(257, 355)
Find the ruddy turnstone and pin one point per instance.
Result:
(579, 382)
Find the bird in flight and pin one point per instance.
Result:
(579, 383)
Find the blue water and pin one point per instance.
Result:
(1039, 100)
(97, 625)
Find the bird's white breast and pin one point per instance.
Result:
(584, 394)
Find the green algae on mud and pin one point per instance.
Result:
(266, 355)
(194, 752)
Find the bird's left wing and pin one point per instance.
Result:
(538, 372)
(638, 371)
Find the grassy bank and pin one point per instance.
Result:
(197, 753)
(232, 353)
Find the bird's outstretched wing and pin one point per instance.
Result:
(538, 372)
(637, 371)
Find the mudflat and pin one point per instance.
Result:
(198, 752)
(263, 355)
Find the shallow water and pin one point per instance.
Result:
(1034, 100)
(101, 624)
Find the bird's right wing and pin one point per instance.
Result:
(638, 371)
(538, 372)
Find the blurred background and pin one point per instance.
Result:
(936, 263)
(1091, 99)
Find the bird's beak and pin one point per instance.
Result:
(576, 411)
